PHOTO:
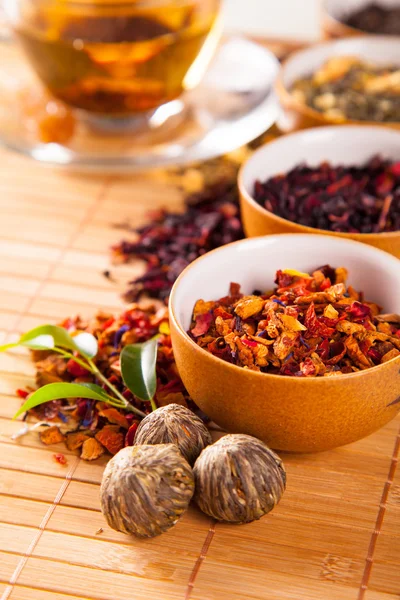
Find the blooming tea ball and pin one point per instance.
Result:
(238, 479)
(175, 424)
(145, 489)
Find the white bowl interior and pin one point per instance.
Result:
(254, 262)
(340, 9)
(345, 145)
(380, 50)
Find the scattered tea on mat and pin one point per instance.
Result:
(347, 88)
(308, 326)
(173, 240)
(146, 489)
(375, 18)
(175, 424)
(350, 199)
(92, 425)
(238, 479)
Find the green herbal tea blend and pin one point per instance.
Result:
(346, 88)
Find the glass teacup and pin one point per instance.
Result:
(117, 58)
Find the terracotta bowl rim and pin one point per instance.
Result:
(305, 228)
(256, 374)
(347, 29)
(287, 98)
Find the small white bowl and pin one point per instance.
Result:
(339, 145)
(290, 413)
(378, 50)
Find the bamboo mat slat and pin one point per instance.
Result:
(340, 509)
(26, 593)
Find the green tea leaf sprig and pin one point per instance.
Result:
(138, 369)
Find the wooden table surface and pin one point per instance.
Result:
(336, 533)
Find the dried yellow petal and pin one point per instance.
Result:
(292, 323)
(164, 328)
(294, 273)
(330, 312)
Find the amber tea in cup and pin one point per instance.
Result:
(117, 58)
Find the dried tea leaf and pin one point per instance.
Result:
(249, 306)
(201, 307)
(111, 438)
(291, 323)
(284, 344)
(355, 353)
(164, 398)
(91, 449)
(335, 68)
(389, 355)
(115, 417)
(389, 318)
(51, 435)
(75, 440)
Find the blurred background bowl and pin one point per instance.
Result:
(289, 413)
(335, 12)
(340, 144)
(379, 50)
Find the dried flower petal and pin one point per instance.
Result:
(60, 459)
(203, 322)
(130, 436)
(359, 311)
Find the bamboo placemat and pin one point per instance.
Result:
(336, 533)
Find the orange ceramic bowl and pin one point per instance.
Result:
(379, 50)
(289, 413)
(340, 144)
(334, 12)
